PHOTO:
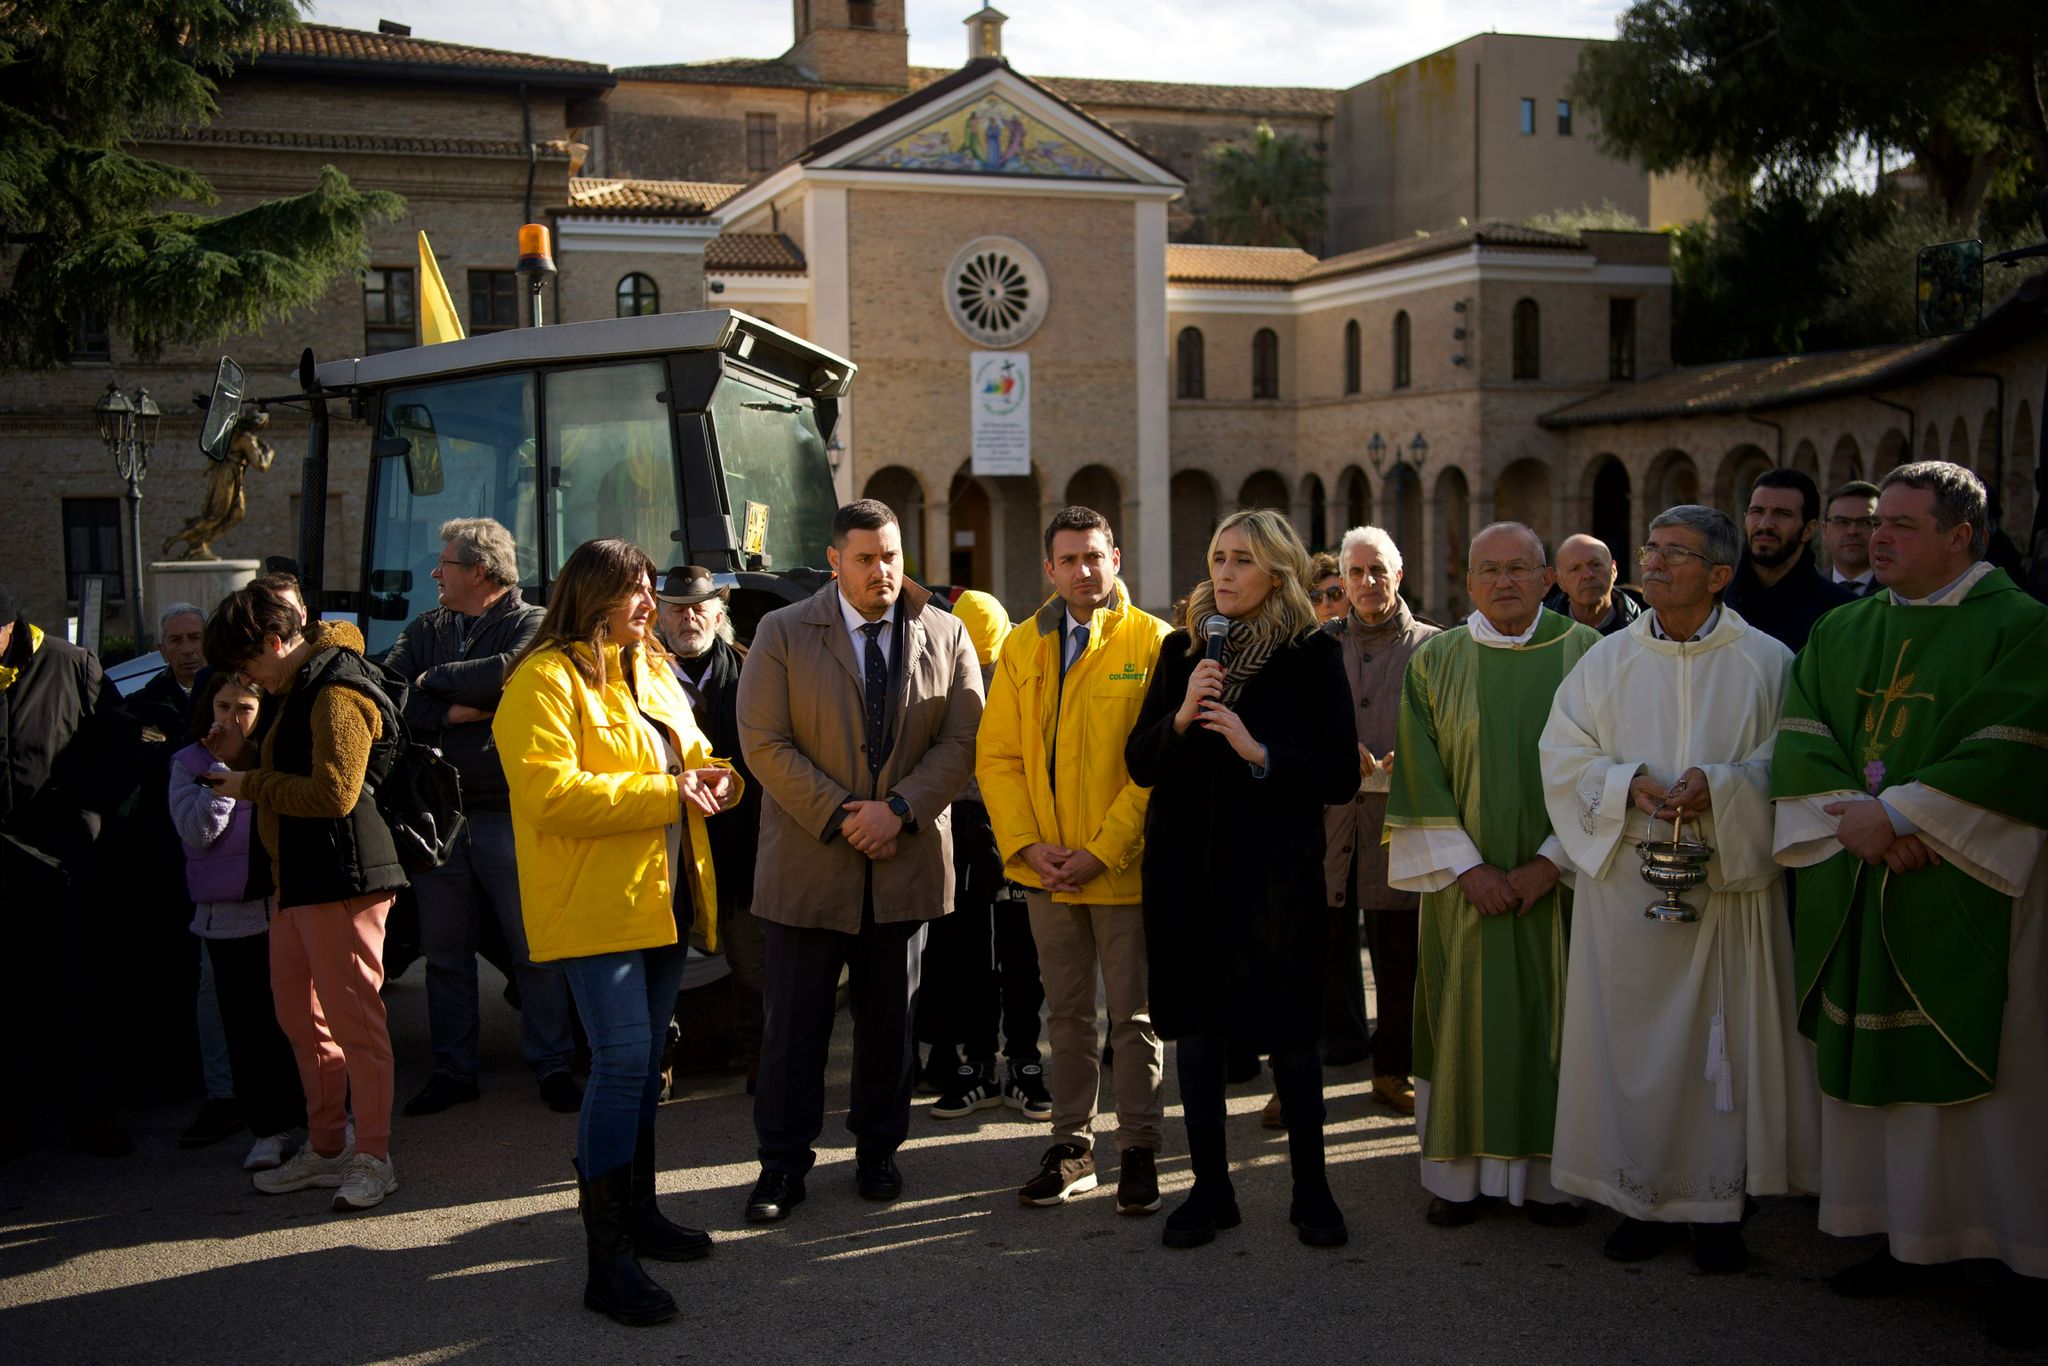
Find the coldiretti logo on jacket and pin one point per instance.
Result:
(1131, 674)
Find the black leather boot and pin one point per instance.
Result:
(653, 1235)
(1212, 1203)
(1313, 1210)
(616, 1285)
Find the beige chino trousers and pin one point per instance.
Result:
(1073, 942)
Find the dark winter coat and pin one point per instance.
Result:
(67, 749)
(735, 835)
(1233, 864)
(1787, 610)
(448, 658)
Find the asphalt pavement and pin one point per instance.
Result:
(170, 1256)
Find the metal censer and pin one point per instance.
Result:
(1673, 866)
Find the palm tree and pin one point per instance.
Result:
(1268, 193)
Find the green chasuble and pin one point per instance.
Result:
(1902, 978)
(1489, 991)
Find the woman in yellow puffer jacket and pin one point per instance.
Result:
(610, 782)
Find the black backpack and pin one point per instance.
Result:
(417, 792)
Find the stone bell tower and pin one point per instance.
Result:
(852, 42)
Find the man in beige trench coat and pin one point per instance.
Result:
(857, 714)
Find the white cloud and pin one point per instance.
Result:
(1277, 42)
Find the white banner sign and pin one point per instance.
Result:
(1000, 389)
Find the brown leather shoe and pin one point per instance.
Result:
(1271, 1117)
(1396, 1093)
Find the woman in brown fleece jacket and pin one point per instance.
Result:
(337, 873)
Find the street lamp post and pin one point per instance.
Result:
(129, 428)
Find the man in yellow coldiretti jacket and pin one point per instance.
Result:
(1070, 824)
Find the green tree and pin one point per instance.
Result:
(1745, 91)
(1268, 193)
(89, 227)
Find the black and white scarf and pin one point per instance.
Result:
(1244, 653)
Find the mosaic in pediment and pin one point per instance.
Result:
(990, 137)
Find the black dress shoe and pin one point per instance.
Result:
(878, 1180)
(561, 1092)
(775, 1195)
(1877, 1275)
(1451, 1213)
(439, 1094)
(1718, 1249)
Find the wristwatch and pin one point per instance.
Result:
(902, 810)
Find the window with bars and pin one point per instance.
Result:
(638, 295)
(1265, 363)
(493, 300)
(92, 544)
(1354, 358)
(761, 142)
(1402, 373)
(1187, 356)
(1621, 339)
(1528, 340)
(390, 309)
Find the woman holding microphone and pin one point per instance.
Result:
(1244, 738)
(611, 781)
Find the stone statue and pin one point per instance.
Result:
(226, 492)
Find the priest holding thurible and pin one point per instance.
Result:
(1683, 1085)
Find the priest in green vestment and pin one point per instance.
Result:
(1909, 796)
(1466, 826)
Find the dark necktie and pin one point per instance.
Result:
(877, 691)
(1079, 648)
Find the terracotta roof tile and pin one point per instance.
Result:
(325, 42)
(1491, 233)
(753, 251)
(1738, 386)
(1194, 264)
(554, 149)
(655, 198)
(755, 71)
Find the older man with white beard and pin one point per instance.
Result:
(1683, 1085)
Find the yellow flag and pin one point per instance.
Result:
(439, 321)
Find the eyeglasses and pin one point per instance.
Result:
(1517, 570)
(1326, 594)
(454, 564)
(1674, 556)
(1844, 523)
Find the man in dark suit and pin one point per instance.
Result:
(1852, 516)
(694, 624)
(857, 714)
(1778, 588)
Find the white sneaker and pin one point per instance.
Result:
(267, 1153)
(368, 1181)
(307, 1168)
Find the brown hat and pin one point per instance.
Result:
(690, 584)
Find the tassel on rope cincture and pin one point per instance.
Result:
(1719, 1071)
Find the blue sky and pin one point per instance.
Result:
(1274, 42)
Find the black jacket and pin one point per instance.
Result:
(1233, 865)
(448, 658)
(67, 748)
(736, 834)
(1627, 607)
(164, 711)
(321, 860)
(1787, 609)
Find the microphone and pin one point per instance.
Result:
(1215, 628)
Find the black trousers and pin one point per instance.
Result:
(800, 981)
(1394, 940)
(266, 1074)
(980, 975)
(1344, 1028)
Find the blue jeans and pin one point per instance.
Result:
(626, 1000)
(481, 877)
